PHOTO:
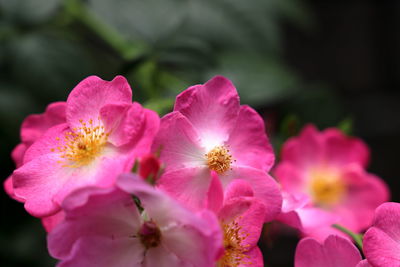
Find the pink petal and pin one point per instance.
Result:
(91, 94)
(381, 249)
(215, 195)
(181, 241)
(179, 143)
(358, 208)
(292, 178)
(265, 188)
(341, 149)
(249, 143)
(234, 208)
(212, 108)
(387, 218)
(93, 211)
(113, 116)
(45, 144)
(335, 252)
(189, 186)
(306, 149)
(9, 188)
(37, 182)
(99, 251)
(52, 221)
(158, 205)
(255, 258)
(18, 154)
(161, 257)
(364, 263)
(34, 126)
(252, 222)
(238, 188)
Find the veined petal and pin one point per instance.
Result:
(120, 252)
(179, 143)
(212, 108)
(91, 94)
(248, 142)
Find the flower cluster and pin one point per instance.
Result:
(115, 185)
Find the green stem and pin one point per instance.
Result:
(127, 50)
(356, 237)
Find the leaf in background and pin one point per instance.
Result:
(150, 20)
(14, 106)
(259, 80)
(28, 11)
(48, 65)
(317, 104)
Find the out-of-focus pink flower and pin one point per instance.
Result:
(298, 213)
(149, 166)
(209, 132)
(32, 128)
(103, 134)
(334, 252)
(103, 227)
(328, 167)
(381, 243)
(241, 218)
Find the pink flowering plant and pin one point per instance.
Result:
(115, 185)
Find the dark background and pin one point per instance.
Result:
(332, 63)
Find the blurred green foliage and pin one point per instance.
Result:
(161, 46)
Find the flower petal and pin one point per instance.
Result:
(341, 149)
(161, 257)
(91, 94)
(37, 182)
(380, 249)
(93, 211)
(34, 126)
(335, 252)
(189, 186)
(306, 149)
(212, 108)
(248, 142)
(179, 143)
(99, 251)
(265, 188)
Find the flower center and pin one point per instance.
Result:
(219, 159)
(326, 188)
(150, 234)
(82, 145)
(234, 254)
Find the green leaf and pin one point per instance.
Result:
(48, 64)
(29, 11)
(260, 80)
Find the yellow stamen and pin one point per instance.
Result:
(219, 159)
(82, 145)
(234, 254)
(327, 188)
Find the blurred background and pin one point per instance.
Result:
(332, 63)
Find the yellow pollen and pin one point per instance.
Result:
(326, 187)
(234, 254)
(82, 145)
(219, 159)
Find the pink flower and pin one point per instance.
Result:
(103, 227)
(381, 242)
(329, 168)
(298, 213)
(241, 217)
(103, 134)
(334, 252)
(32, 128)
(209, 132)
